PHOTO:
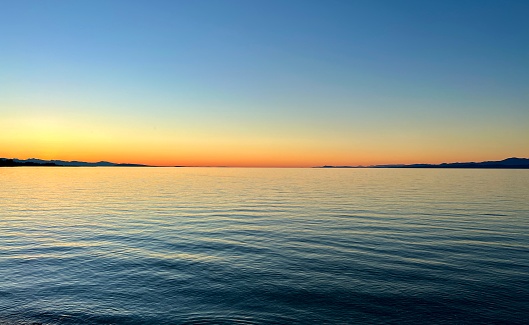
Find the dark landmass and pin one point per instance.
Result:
(509, 163)
(5, 162)
(15, 163)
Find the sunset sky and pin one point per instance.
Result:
(264, 83)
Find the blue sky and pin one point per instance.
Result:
(352, 80)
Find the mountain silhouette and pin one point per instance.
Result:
(509, 163)
(5, 162)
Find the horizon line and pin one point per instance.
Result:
(104, 163)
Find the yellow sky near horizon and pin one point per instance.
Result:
(48, 137)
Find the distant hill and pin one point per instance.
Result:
(5, 162)
(509, 163)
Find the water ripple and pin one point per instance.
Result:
(263, 246)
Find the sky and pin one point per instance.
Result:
(290, 83)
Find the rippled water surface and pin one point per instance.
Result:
(266, 246)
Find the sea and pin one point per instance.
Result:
(140, 245)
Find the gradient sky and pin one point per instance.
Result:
(264, 83)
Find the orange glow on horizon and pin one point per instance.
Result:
(234, 160)
(50, 138)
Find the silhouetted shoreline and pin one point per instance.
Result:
(32, 162)
(13, 163)
(509, 163)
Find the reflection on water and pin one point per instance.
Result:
(267, 246)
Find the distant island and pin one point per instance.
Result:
(5, 162)
(509, 163)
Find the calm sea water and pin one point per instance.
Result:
(264, 246)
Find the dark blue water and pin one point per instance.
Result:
(263, 246)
